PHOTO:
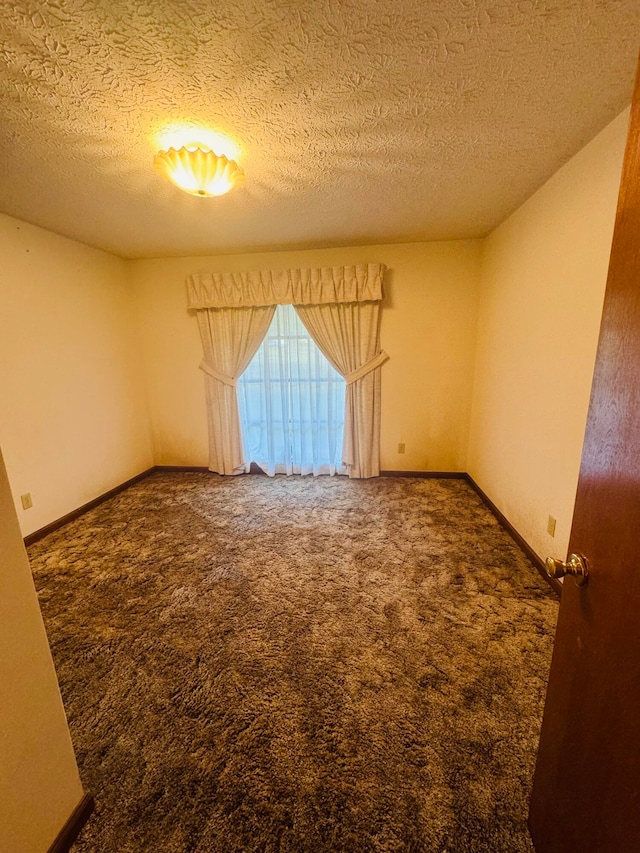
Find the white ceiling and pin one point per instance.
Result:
(357, 121)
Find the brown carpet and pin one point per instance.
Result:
(298, 664)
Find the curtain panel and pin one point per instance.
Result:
(230, 338)
(348, 334)
(339, 306)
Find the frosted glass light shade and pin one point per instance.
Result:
(198, 170)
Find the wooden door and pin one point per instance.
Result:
(586, 792)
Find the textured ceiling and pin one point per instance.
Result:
(356, 121)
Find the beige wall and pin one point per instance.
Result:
(39, 782)
(543, 279)
(73, 418)
(427, 328)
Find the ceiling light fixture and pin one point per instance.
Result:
(196, 169)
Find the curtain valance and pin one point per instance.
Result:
(321, 286)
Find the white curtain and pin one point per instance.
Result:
(230, 337)
(349, 336)
(292, 403)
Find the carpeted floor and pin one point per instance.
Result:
(298, 664)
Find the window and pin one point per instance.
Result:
(292, 403)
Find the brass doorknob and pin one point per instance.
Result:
(576, 565)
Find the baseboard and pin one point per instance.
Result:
(427, 475)
(76, 513)
(202, 469)
(73, 826)
(255, 469)
(555, 584)
(199, 468)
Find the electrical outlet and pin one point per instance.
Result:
(401, 447)
(551, 526)
(27, 503)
